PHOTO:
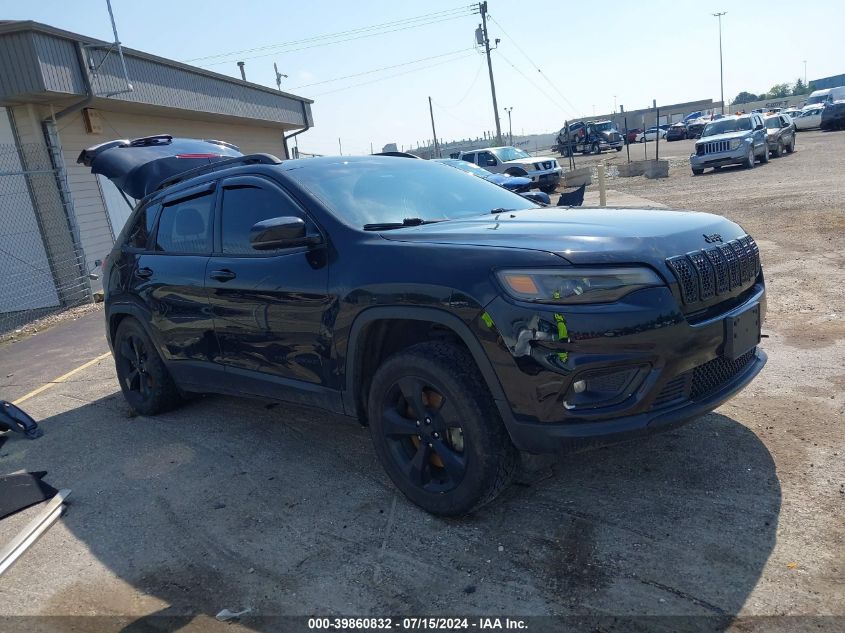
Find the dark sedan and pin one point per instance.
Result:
(677, 132)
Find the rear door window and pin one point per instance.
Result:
(185, 226)
(136, 234)
(244, 205)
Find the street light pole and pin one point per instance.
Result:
(721, 71)
(510, 127)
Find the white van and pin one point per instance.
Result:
(828, 95)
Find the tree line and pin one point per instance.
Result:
(778, 91)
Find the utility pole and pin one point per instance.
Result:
(339, 146)
(243, 72)
(433, 131)
(805, 73)
(614, 104)
(510, 127)
(482, 37)
(721, 72)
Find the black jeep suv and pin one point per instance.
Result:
(460, 321)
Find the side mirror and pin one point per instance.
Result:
(537, 196)
(759, 126)
(491, 162)
(282, 232)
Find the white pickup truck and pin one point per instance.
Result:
(543, 170)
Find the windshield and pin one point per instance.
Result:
(773, 123)
(722, 126)
(505, 154)
(470, 168)
(385, 190)
(816, 99)
(604, 127)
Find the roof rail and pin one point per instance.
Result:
(249, 159)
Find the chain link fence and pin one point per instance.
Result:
(42, 267)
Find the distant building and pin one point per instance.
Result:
(828, 82)
(61, 92)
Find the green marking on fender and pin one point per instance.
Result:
(488, 320)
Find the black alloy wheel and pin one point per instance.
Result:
(437, 431)
(144, 380)
(425, 436)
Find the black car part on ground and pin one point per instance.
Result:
(13, 418)
(22, 490)
(833, 116)
(139, 166)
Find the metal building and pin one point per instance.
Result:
(61, 92)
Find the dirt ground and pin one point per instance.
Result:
(229, 503)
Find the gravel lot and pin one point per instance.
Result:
(231, 503)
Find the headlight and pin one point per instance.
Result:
(575, 285)
(736, 143)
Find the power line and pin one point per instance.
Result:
(528, 79)
(336, 38)
(375, 70)
(407, 72)
(549, 81)
(469, 89)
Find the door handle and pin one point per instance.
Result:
(222, 275)
(144, 273)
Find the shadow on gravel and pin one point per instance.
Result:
(237, 504)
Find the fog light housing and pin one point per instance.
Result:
(602, 388)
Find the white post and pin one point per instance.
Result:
(602, 192)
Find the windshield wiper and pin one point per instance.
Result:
(386, 226)
(500, 210)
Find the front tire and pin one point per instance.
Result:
(436, 430)
(595, 149)
(697, 172)
(765, 157)
(144, 380)
(749, 159)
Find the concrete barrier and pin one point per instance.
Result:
(647, 168)
(657, 169)
(578, 177)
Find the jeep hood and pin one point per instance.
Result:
(725, 137)
(582, 236)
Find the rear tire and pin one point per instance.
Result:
(779, 151)
(791, 147)
(697, 172)
(144, 380)
(436, 430)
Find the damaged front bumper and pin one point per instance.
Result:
(598, 374)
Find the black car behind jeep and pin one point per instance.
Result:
(459, 321)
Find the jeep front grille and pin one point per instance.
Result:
(713, 147)
(717, 270)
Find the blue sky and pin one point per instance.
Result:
(632, 52)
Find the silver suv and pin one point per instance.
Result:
(734, 140)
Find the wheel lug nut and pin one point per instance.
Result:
(430, 445)
(418, 422)
(436, 435)
(428, 420)
(419, 437)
